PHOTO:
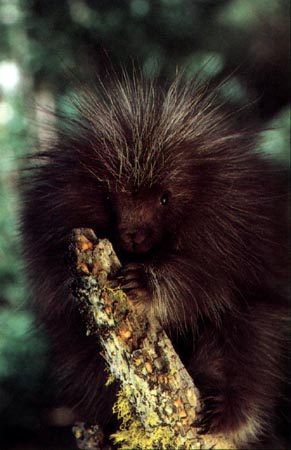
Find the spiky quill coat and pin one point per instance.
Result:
(199, 221)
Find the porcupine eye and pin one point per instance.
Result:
(107, 197)
(164, 200)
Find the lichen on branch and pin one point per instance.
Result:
(158, 402)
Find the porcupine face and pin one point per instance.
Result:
(141, 220)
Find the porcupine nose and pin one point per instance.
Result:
(136, 237)
(135, 240)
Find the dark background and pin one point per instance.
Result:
(47, 50)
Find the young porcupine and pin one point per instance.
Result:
(199, 221)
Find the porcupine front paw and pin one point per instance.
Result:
(133, 281)
(226, 414)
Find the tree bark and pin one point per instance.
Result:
(158, 402)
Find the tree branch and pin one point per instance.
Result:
(158, 402)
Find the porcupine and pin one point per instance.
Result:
(198, 219)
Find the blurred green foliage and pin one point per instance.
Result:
(276, 140)
(46, 47)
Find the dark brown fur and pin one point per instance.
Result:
(200, 223)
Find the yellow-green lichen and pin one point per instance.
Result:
(119, 297)
(110, 380)
(134, 434)
(78, 434)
